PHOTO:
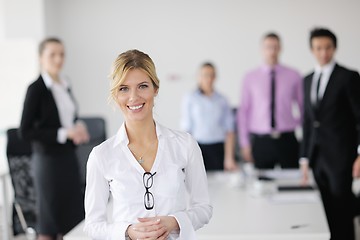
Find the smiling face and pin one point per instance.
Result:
(135, 96)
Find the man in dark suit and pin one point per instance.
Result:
(331, 133)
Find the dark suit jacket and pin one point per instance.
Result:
(334, 125)
(40, 119)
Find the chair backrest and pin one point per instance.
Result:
(18, 153)
(97, 131)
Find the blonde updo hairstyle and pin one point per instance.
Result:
(126, 61)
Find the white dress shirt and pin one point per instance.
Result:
(325, 72)
(180, 186)
(64, 103)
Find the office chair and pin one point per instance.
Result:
(18, 154)
(97, 131)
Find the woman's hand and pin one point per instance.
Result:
(158, 227)
(78, 134)
(146, 229)
(230, 164)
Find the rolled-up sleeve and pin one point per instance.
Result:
(199, 211)
(96, 201)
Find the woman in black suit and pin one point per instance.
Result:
(49, 122)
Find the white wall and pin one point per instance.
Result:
(179, 35)
(21, 28)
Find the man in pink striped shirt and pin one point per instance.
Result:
(266, 120)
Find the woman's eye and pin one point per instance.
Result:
(123, 89)
(143, 86)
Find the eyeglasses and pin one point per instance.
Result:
(148, 196)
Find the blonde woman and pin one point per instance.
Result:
(155, 175)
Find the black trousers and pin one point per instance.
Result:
(337, 197)
(213, 155)
(268, 151)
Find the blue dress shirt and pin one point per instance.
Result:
(207, 118)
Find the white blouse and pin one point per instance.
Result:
(64, 104)
(180, 186)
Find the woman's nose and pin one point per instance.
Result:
(133, 95)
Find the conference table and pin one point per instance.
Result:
(259, 211)
(252, 209)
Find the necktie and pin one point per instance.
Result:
(317, 100)
(273, 121)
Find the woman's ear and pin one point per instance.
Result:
(156, 91)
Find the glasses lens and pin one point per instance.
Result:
(148, 200)
(148, 179)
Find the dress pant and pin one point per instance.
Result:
(270, 150)
(213, 155)
(337, 197)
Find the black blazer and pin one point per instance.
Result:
(334, 125)
(40, 119)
